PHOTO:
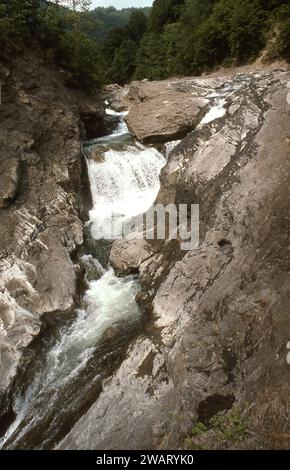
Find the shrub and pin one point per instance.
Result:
(229, 428)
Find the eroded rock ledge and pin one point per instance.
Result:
(220, 312)
(42, 199)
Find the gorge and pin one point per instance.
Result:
(129, 345)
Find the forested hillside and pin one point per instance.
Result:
(109, 18)
(173, 38)
(76, 37)
(62, 29)
(192, 36)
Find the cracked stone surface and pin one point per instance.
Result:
(41, 201)
(167, 110)
(219, 320)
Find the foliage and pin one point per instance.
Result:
(193, 36)
(151, 58)
(109, 18)
(228, 429)
(120, 48)
(164, 12)
(283, 39)
(65, 30)
(123, 64)
(59, 26)
(17, 17)
(81, 56)
(174, 37)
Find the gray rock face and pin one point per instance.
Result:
(41, 201)
(127, 256)
(168, 110)
(117, 97)
(9, 182)
(220, 313)
(141, 425)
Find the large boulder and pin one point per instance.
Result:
(162, 111)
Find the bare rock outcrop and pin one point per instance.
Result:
(41, 200)
(220, 313)
(167, 110)
(9, 181)
(117, 96)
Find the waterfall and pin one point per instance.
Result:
(123, 185)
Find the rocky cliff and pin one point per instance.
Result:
(43, 199)
(218, 320)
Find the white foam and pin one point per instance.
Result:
(169, 146)
(107, 301)
(217, 111)
(124, 185)
(122, 128)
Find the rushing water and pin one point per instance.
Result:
(123, 185)
(124, 182)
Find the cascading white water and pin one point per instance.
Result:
(122, 127)
(124, 184)
(216, 111)
(107, 301)
(219, 98)
(121, 130)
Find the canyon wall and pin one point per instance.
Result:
(218, 315)
(44, 196)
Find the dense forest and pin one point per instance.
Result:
(109, 18)
(185, 37)
(173, 38)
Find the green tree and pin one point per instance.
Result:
(112, 43)
(123, 65)
(164, 12)
(82, 56)
(65, 29)
(283, 39)
(17, 18)
(151, 58)
(246, 28)
(137, 25)
(198, 35)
